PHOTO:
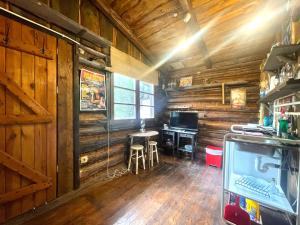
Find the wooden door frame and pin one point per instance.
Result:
(76, 111)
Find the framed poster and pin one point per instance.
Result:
(92, 91)
(186, 81)
(238, 98)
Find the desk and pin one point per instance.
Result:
(177, 136)
(147, 135)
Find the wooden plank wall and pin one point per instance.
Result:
(215, 118)
(91, 134)
(64, 98)
(65, 117)
(94, 144)
(94, 141)
(33, 143)
(92, 125)
(89, 16)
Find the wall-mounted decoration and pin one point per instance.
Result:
(186, 81)
(238, 98)
(92, 91)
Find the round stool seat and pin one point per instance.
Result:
(152, 143)
(137, 147)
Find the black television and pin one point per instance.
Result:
(184, 120)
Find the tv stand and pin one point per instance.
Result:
(177, 139)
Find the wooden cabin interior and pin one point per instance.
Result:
(143, 112)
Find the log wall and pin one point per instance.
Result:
(94, 143)
(96, 156)
(216, 118)
(93, 126)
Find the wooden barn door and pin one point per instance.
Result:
(27, 118)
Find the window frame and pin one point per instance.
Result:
(113, 99)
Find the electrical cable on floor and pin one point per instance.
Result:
(117, 172)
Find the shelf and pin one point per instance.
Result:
(288, 87)
(184, 150)
(203, 86)
(277, 56)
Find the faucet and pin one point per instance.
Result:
(263, 168)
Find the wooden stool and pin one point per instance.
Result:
(138, 149)
(153, 148)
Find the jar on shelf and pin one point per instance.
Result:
(289, 71)
(282, 75)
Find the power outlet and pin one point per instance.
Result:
(84, 159)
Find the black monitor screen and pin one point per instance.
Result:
(184, 120)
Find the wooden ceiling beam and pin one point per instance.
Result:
(106, 9)
(194, 27)
(225, 64)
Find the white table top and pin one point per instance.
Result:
(149, 133)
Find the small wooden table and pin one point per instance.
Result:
(147, 135)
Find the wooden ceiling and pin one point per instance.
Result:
(159, 26)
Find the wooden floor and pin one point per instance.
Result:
(175, 192)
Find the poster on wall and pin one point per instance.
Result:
(238, 98)
(92, 91)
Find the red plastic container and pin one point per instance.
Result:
(214, 156)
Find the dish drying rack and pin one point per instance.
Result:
(252, 185)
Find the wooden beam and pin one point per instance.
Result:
(19, 193)
(16, 90)
(223, 93)
(65, 121)
(21, 168)
(38, 8)
(240, 62)
(23, 47)
(194, 27)
(106, 9)
(76, 111)
(24, 119)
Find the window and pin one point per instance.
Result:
(126, 103)
(146, 100)
(124, 97)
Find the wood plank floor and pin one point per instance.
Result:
(175, 192)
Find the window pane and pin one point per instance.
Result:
(146, 87)
(147, 112)
(124, 96)
(124, 112)
(146, 99)
(123, 81)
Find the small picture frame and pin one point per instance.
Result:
(186, 81)
(238, 98)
